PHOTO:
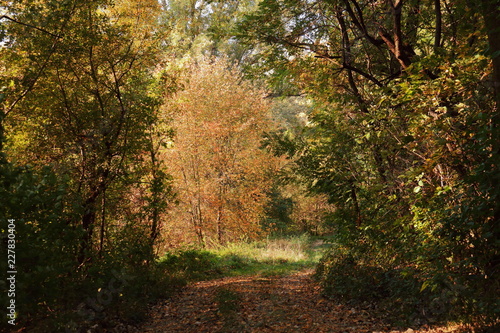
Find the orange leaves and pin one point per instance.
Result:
(219, 119)
(287, 304)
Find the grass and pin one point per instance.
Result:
(266, 258)
(269, 257)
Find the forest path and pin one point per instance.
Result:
(256, 304)
(291, 303)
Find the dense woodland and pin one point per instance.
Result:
(131, 129)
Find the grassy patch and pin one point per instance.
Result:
(268, 257)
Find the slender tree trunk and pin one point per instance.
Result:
(88, 222)
(357, 209)
(90, 208)
(437, 33)
(491, 14)
(199, 222)
(156, 187)
(219, 224)
(346, 59)
(103, 224)
(155, 216)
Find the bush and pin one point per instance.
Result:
(53, 291)
(395, 290)
(192, 264)
(45, 245)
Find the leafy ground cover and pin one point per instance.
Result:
(254, 303)
(266, 286)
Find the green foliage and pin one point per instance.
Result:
(271, 257)
(45, 243)
(203, 28)
(362, 278)
(78, 100)
(436, 215)
(277, 213)
(402, 139)
(54, 291)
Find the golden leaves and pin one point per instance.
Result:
(221, 171)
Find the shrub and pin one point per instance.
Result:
(192, 264)
(395, 290)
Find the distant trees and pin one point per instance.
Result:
(204, 28)
(220, 171)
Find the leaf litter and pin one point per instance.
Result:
(292, 303)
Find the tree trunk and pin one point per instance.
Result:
(88, 222)
(437, 34)
(357, 209)
(103, 224)
(156, 188)
(491, 14)
(220, 228)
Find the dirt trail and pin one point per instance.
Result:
(257, 304)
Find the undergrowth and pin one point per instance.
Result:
(268, 257)
(120, 292)
(399, 293)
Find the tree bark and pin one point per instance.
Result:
(88, 222)
(491, 14)
(395, 43)
(357, 209)
(437, 34)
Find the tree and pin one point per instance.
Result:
(221, 173)
(85, 99)
(79, 93)
(204, 28)
(401, 135)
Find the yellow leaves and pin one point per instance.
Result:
(142, 14)
(219, 119)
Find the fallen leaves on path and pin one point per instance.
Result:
(259, 304)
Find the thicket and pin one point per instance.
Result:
(403, 138)
(92, 93)
(77, 112)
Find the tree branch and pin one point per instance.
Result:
(29, 25)
(362, 73)
(359, 22)
(45, 63)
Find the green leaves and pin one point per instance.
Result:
(397, 139)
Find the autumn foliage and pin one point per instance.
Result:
(220, 170)
(130, 127)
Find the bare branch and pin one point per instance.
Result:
(362, 73)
